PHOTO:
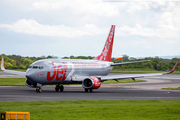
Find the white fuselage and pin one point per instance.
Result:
(59, 71)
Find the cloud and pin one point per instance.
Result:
(164, 24)
(34, 28)
(163, 31)
(96, 7)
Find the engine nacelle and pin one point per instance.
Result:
(91, 83)
(30, 84)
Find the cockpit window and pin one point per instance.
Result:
(40, 67)
(30, 67)
(36, 67)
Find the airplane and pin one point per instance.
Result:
(89, 73)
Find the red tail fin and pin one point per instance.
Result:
(107, 51)
(2, 64)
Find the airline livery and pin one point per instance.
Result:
(89, 73)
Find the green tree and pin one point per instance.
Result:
(125, 58)
(26, 62)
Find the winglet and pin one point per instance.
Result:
(2, 64)
(173, 68)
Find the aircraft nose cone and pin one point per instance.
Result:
(29, 75)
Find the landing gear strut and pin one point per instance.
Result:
(59, 88)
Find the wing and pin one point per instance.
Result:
(133, 76)
(128, 76)
(124, 76)
(125, 63)
(11, 71)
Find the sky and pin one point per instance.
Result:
(80, 27)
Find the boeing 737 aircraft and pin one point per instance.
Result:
(89, 73)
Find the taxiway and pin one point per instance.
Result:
(143, 90)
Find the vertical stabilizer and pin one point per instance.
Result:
(2, 64)
(107, 50)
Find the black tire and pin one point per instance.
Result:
(38, 90)
(61, 88)
(57, 89)
(91, 90)
(86, 90)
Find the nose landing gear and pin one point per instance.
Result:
(38, 89)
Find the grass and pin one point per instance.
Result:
(12, 81)
(21, 70)
(171, 88)
(21, 81)
(98, 109)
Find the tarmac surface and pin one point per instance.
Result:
(141, 90)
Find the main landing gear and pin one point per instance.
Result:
(59, 88)
(86, 90)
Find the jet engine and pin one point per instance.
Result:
(30, 84)
(91, 83)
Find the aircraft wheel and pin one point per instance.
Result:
(86, 90)
(91, 90)
(57, 89)
(61, 88)
(38, 90)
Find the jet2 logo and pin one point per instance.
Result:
(59, 72)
